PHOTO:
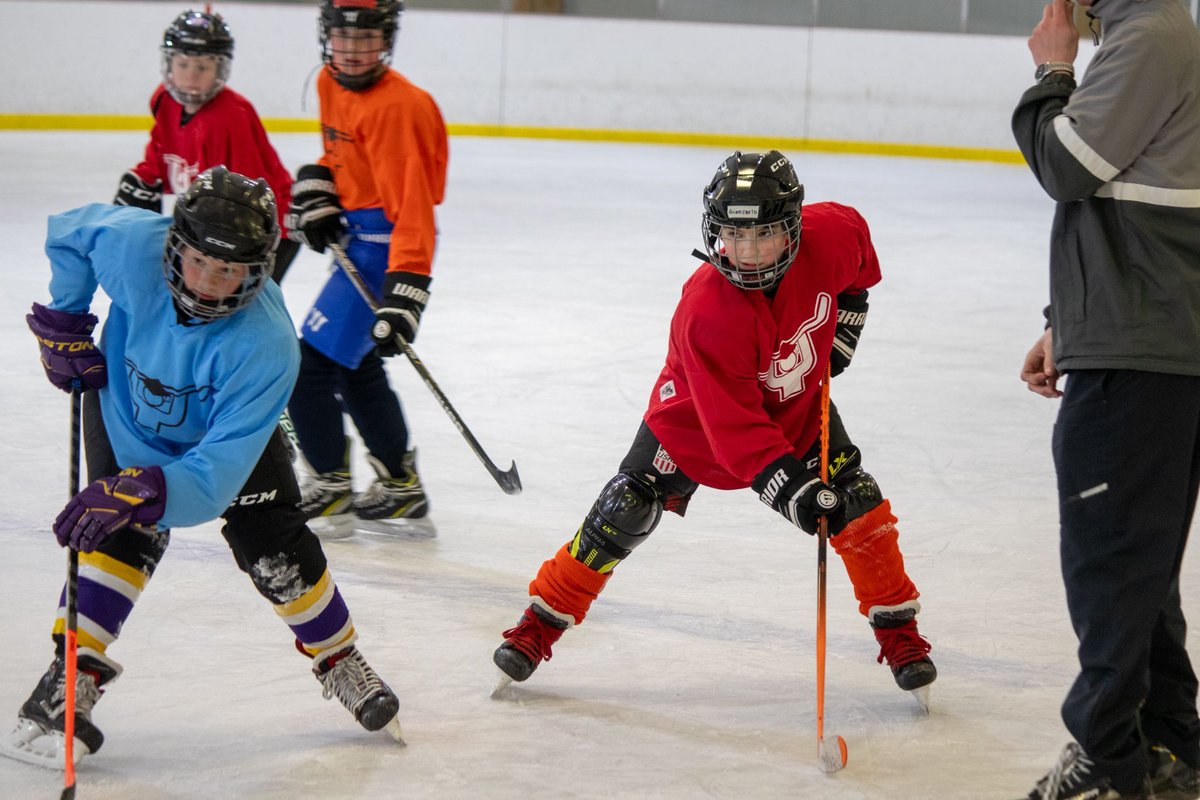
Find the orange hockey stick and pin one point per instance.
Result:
(830, 755)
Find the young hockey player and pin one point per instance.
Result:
(199, 122)
(738, 405)
(192, 373)
(373, 190)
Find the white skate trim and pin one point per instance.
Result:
(31, 743)
(544, 606)
(873, 610)
(400, 528)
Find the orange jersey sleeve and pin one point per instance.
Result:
(387, 148)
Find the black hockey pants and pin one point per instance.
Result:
(263, 521)
(1127, 453)
(324, 389)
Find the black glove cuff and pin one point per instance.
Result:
(777, 476)
(406, 289)
(314, 179)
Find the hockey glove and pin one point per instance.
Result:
(786, 486)
(135, 496)
(852, 315)
(133, 191)
(315, 215)
(69, 355)
(404, 297)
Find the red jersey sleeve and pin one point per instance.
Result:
(151, 167)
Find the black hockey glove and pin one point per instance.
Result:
(133, 191)
(404, 297)
(852, 315)
(786, 486)
(315, 215)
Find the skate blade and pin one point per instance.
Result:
(421, 528)
(393, 730)
(30, 743)
(332, 528)
(503, 690)
(832, 754)
(921, 695)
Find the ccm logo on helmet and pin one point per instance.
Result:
(778, 164)
(219, 243)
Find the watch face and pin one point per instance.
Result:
(1041, 72)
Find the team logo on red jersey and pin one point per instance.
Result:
(796, 356)
(180, 173)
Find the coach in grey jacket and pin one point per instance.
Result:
(1120, 153)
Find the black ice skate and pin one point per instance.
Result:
(347, 676)
(905, 649)
(397, 504)
(528, 644)
(1074, 777)
(327, 500)
(1172, 779)
(38, 737)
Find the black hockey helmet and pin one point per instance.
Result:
(380, 15)
(197, 33)
(227, 216)
(748, 191)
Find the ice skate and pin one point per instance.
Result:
(327, 501)
(906, 651)
(1074, 777)
(38, 736)
(347, 676)
(395, 505)
(1170, 777)
(528, 644)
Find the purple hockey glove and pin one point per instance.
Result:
(69, 355)
(135, 496)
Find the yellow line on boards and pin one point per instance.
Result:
(114, 122)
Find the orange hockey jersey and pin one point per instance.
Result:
(387, 148)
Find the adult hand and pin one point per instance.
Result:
(1055, 38)
(1038, 371)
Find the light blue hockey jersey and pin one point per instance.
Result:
(200, 401)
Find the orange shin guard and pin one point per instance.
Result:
(870, 550)
(567, 585)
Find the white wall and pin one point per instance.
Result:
(77, 57)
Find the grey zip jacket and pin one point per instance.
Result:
(1121, 155)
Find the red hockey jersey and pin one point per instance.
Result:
(387, 148)
(741, 385)
(226, 130)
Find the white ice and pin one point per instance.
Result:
(558, 268)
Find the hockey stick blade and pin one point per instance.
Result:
(509, 481)
(831, 754)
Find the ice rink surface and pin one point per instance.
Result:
(559, 266)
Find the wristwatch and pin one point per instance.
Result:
(1054, 66)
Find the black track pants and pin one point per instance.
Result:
(1127, 452)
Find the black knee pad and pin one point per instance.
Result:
(624, 514)
(862, 492)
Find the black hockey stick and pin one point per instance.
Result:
(72, 620)
(508, 480)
